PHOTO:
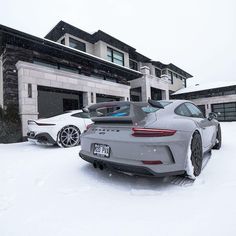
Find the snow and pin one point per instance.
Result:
(205, 86)
(51, 191)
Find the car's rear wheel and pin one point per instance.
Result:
(218, 139)
(196, 156)
(69, 136)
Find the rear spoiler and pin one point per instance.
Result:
(136, 113)
(155, 104)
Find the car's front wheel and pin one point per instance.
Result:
(69, 136)
(195, 157)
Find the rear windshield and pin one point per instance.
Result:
(112, 111)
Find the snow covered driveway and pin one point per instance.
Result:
(50, 191)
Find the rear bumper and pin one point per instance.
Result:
(132, 169)
(42, 138)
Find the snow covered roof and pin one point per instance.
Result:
(205, 86)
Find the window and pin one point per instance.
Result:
(45, 63)
(164, 72)
(133, 65)
(156, 94)
(63, 41)
(182, 110)
(110, 79)
(194, 110)
(77, 44)
(170, 75)
(29, 90)
(115, 56)
(157, 72)
(69, 69)
(84, 115)
(229, 92)
(225, 111)
(184, 82)
(136, 94)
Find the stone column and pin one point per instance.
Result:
(86, 98)
(28, 101)
(165, 94)
(146, 89)
(208, 109)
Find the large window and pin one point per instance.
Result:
(45, 63)
(77, 44)
(115, 56)
(170, 76)
(156, 94)
(157, 72)
(133, 65)
(136, 94)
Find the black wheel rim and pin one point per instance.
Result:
(196, 156)
(69, 137)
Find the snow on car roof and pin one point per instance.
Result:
(205, 86)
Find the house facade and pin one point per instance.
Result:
(70, 68)
(219, 97)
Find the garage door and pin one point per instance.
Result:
(53, 101)
(227, 111)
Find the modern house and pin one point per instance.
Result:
(219, 97)
(71, 68)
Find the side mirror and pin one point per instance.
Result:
(212, 116)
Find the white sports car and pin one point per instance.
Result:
(63, 130)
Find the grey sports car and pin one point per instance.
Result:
(156, 138)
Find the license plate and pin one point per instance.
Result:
(101, 150)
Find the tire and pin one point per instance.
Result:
(69, 136)
(196, 156)
(218, 139)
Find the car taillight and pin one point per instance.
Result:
(149, 132)
(158, 162)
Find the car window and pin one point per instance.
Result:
(81, 115)
(194, 110)
(182, 110)
(150, 109)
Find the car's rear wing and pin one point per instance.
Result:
(121, 111)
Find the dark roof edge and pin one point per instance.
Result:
(58, 46)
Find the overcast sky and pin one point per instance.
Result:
(199, 36)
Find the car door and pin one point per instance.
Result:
(208, 128)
